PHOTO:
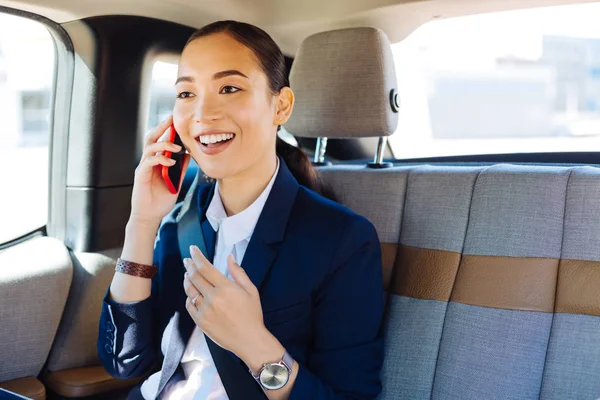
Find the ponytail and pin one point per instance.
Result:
(302, 169)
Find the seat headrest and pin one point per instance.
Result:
(343, 81)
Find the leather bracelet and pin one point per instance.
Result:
(135, 269)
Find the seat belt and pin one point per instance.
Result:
(236, 378)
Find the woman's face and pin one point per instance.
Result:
(225, 113)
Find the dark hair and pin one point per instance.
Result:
(272, 62)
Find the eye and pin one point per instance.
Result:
(229, 90)
(184, 95)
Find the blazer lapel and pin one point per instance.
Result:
(271, 226)
(270, 230)
(183, 326)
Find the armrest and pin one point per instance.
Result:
(86, 381)
(28, 387)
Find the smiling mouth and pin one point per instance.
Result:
(215, 140)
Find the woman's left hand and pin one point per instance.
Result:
(228, 312)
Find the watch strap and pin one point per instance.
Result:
(288, 361)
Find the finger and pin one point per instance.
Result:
(199, 282)
(239, 276)
(206, 269)
(153, 161)
(160, 129)
(189, 288)
(192, 309)
(160, 147)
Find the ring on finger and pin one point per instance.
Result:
(195, 299)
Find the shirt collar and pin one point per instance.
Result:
(240, 226)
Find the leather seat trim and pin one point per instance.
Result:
(578, 288)
(511, 283)
(28, 386)
(424, 273)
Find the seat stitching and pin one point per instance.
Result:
(454, 282)
(562, 243)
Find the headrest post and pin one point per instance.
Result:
(320, 150)
(378, 160)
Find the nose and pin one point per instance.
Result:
(207, 109)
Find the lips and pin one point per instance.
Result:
(214, 142)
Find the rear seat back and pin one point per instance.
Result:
(572, 368)
(495, 290)
(35, 278)
(75, 343)
(436, 214)
(503, 331)
(73, 368)
(385, 191)
(498, 321)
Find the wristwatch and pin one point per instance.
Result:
(273, 376)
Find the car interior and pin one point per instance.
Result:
(491, 259)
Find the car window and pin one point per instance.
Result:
(162, 92)
(509, 82)
(27, 66)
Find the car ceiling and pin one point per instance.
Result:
(288, 21)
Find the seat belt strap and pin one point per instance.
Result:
(236, 379)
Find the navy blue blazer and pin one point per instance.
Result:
(317, 266)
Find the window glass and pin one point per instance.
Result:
(510, 82)
(27, 63)
(162, 92)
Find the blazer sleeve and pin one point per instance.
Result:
(128, 333)
(346, 357)
(126, 337)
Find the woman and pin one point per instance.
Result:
(300, 317)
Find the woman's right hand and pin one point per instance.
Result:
(151, 200)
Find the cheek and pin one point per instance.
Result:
(182, 116)
(254, 118)
(182, 110)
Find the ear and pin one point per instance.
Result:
(284, 106)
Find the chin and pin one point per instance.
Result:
(214, 169)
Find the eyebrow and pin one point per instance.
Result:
(184, 79)
(216, 76)
(229, 72)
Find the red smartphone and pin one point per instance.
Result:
(174, 175)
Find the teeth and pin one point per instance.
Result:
(209, 139)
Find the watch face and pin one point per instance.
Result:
(274, 376)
